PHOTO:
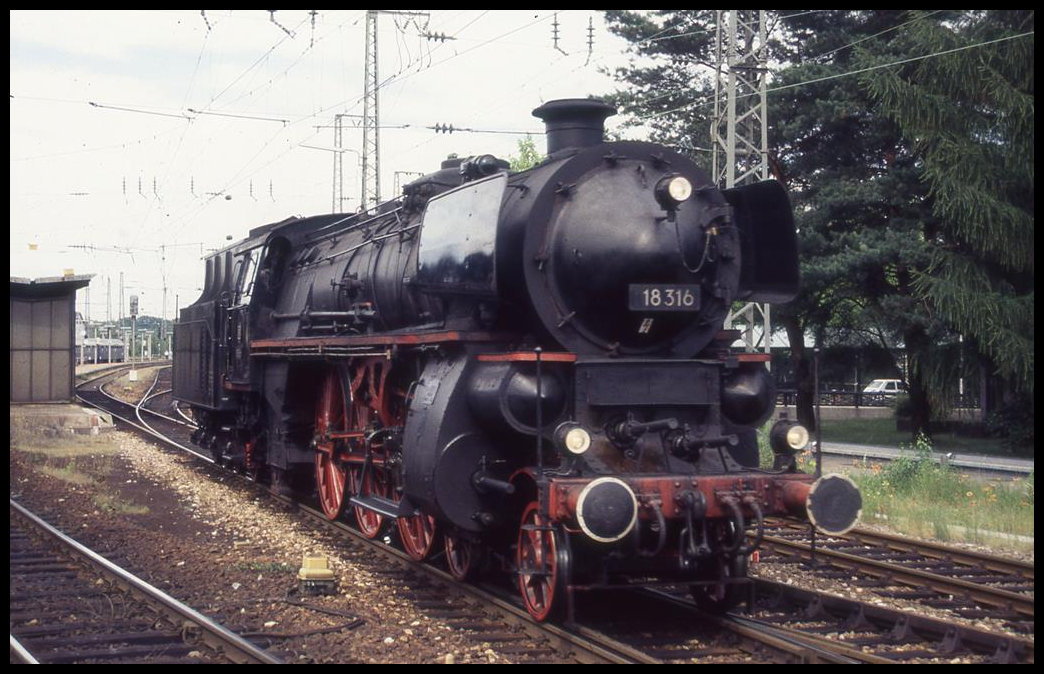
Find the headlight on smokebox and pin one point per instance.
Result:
(787, 437)
(607, 509)
(572, 438)
(671, 190)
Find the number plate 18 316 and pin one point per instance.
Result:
(663, 297)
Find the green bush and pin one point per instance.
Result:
(920, 497)
(1013, 423)
(902, 405)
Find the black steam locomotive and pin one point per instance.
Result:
(523, 367)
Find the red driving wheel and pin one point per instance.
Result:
(330, 470)
(369, 522)
(418, 535)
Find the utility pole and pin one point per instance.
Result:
(134, 324)
(338, 167)
(739, 131)
(163, 273)
(338, 149)
(371, 157)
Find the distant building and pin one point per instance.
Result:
(99, 350)
(92, 350)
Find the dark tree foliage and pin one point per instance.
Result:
(670, 85)
(876, 243)
(969, 109)
(858, 202)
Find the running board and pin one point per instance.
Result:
(384, 506)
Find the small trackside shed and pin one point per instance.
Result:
(43, 341)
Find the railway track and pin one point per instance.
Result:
(970, 584)
(492, 616)
(874, 633)
(791, 624)
(70, 605)
(488, 613)
(484, 617)
(156, 424)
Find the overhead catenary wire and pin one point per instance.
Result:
(865, 70)
(392, 79)
(247, 173)
(250, 166)
(660, 36)
(347, 104)
(246, 95)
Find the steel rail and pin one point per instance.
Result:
(796, 643)
(19, 653)
(856, 615)
(587, 646)
(930, 549)
(991, 596)
(231, 645)
(138, 424)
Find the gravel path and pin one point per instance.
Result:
(227, 553)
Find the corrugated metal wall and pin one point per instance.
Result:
(42, 345)
(42, 349)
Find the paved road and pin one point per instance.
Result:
(968, 461)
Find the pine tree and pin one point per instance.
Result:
(670, 89)
(857, 201)
(967, 107)
(911, 185)
(856, 197)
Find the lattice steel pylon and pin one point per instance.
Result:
(371, 156)
(338, 165)
(739, 131)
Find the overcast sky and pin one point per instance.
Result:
(141, 139)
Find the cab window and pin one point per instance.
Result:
(247, 268)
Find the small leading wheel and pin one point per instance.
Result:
(543, 565)
(463, 557)
(369, 522)
(418, 535)
(331, 474)
(721, 597)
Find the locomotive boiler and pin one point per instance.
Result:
(520, 370)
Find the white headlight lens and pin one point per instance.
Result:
(679, 188)
(797, 437)
(577, 440)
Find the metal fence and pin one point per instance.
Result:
(788, 398)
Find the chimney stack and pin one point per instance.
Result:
(574, 122)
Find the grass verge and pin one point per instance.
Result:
(79, 460)
(918, 497)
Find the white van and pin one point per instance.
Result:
(892, 386)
